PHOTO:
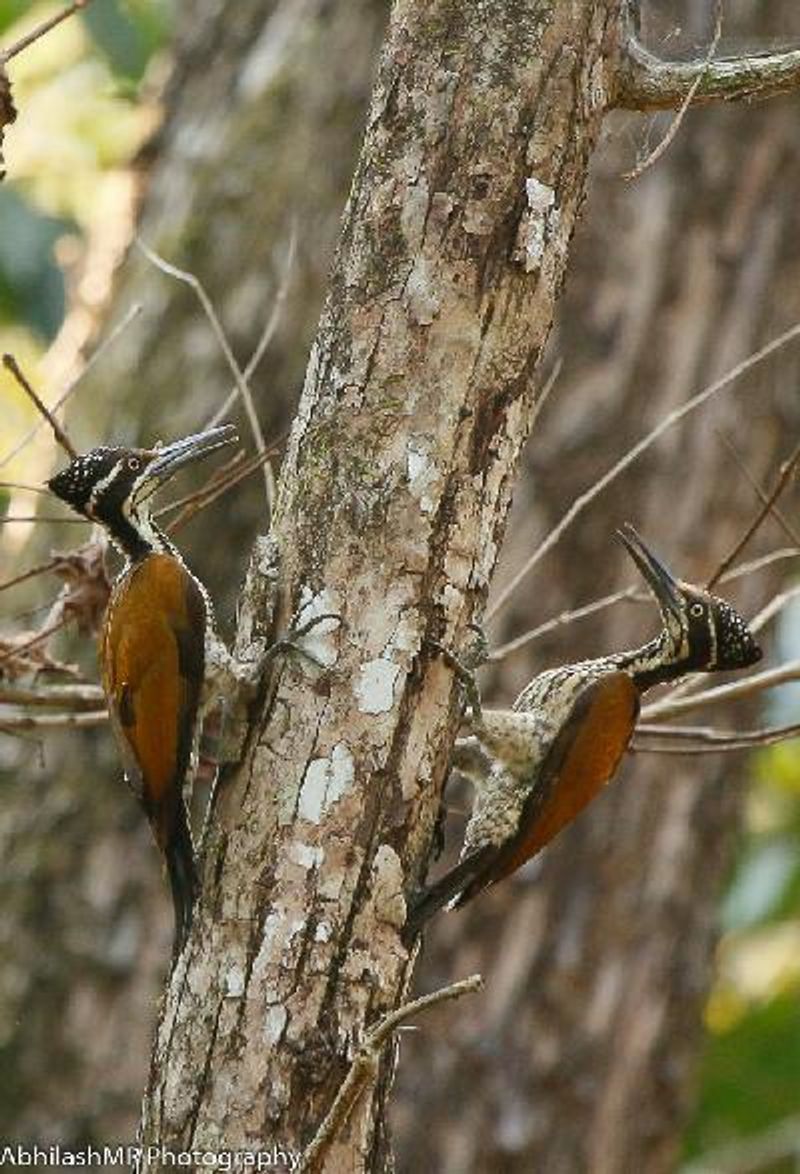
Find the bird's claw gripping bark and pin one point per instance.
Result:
(290, 642)
(466, 677)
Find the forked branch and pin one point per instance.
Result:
(364, 1068)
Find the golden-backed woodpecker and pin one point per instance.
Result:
(153, 647)
(562, 740)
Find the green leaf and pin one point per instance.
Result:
(128, 32)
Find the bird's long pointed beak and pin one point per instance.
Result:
(659, 579)
(173, 457)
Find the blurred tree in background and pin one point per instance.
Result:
(89, 97)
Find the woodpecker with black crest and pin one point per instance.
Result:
(156, 632)
(536, 766)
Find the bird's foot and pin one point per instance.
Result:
(464, 670)
(291, 642)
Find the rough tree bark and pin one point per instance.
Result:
(203, 127)
(393, 499)
(264, 113)
(598, 961)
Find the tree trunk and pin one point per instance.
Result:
(392, 505)
(264, 114)
(416, 297)
(598, 960)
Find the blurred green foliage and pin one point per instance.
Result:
(77, 94)
(749, 1077)
(31, 282)
(128, 32)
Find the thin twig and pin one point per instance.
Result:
(564, 617)
(13, 651)
(758, 564)
(756, 683)
(672, 418)
(40, 721)
(7, 518)
(226, 478)
(767, 507)
(21, 485)
(722, 739)
(40, 30)
(241, 382)
(267, 334)
(717, 742)
(74, 383)
(41, 569)
(70, 698)
(365, 1067)
(772, 609)
(544, 395)
(11, 364)
(654, 155)
(635, 595)
(761, 493)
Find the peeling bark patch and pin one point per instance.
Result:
(422, 472)
(387, 887)
(539, 222)
(234, 983)
(306, 856)
(274, 1024)
(423, 302)
(375, 686)
(325, 782)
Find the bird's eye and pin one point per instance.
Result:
(134, 463)
(696, 610)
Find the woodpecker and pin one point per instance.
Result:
(536, 766)
(156, 629)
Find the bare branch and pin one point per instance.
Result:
(73, 384)
(242, 385)
(758, 564)
(12, 650)
(634, 594)
(714, 738)
(562, 619)
(654, 155)
(756, 683)
(718, 742)
(773, 608)
(41, 569)
(11, 364)
(20, 485)
(767, 507)
(41, 29)
(71, 698)
(267, 334)
(764, 497)
(365, 1067)
(223, 479)
(50, 721)
(544, 394)
(584, 499)
(644, 82)
(10, 518)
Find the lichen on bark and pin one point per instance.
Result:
(393, 499)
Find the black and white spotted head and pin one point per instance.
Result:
(705, 633)
(113, 485)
